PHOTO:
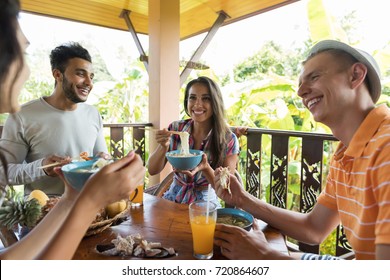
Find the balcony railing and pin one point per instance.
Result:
(286, 168)
(126, 137)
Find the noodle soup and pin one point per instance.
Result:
(95, 167)
(233, 220)
(235, 217)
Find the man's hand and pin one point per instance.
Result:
(49, 171)
(238, 244)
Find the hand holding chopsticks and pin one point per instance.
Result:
(52, 161)
(163, 135)
(50, 165)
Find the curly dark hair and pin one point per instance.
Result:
(59, 57)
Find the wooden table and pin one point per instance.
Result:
(163, 221)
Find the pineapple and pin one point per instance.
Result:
(15, 210)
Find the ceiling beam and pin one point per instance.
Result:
(202, 47)
(125, 14)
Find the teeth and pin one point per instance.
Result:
(85, 91)
(313, 101)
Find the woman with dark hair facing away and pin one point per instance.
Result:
(58, 235)
(209, 132)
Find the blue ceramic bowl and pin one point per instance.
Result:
(236, 217)
(184, 162)
(77, 173)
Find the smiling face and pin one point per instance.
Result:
(77, 80)
(199, 103)
(325, 87)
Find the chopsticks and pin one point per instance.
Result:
(148, 128)
(155, 129)
(50, 165)
(177, 132)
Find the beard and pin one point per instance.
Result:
(69, 92)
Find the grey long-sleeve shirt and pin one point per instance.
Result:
(39, 130)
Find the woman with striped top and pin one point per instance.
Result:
(208, 131)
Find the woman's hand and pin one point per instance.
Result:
(203, 165)
(239, 131)
(117, 180)
(162, 137)
(70, 193)
(157, 159)
(238, 244)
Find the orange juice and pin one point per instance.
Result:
(203, 217)
(202, 234)
(137, 196)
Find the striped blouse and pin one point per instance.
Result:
(358, 184)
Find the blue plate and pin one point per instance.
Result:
(236, 213)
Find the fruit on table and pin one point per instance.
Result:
(40, 196)
(115, 208)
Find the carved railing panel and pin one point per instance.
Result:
(139, 142)
(253, 163)
(117, 142)
(311, 175)
(311, 172)
(279, 171)
(342, 245)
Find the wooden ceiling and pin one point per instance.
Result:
(196, 16)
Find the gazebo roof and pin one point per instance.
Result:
(196, 16)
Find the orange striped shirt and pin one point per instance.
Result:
(358, 184)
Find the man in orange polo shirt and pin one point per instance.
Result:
(340, 86)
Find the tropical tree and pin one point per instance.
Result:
(126, 101)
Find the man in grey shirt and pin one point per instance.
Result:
(54, 128)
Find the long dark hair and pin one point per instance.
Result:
(220, 132)
(10, 51)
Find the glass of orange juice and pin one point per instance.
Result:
(137, 196)
(203, 219)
